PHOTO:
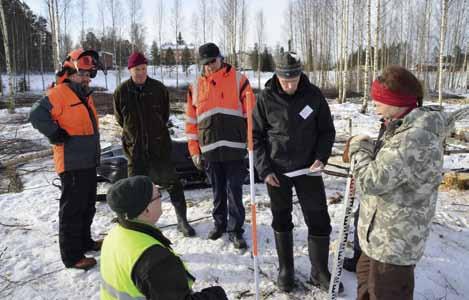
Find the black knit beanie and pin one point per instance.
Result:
(128, 197)
(288, 65)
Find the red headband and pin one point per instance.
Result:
(380, 93)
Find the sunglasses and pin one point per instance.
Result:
(210, 62)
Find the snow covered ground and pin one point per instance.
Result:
(30, 265)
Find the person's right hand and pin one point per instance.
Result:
(60, 136)
(272, 180)
(198, 163)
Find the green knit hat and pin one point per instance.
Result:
(128, 197)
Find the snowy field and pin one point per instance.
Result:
(109, 81)
(30, 265)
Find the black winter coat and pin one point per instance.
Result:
(290, 132)
(143, 112)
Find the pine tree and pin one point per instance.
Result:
(155, 56)
(170, 59)
(267, 61)
(186, 59)
(254, 57)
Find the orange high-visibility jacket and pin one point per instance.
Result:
(63, 108)
(216, 115)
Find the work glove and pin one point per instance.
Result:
(198, 162)
(272, 180)
(60, 136)
(351, 140)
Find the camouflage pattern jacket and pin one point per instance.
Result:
(400, 186)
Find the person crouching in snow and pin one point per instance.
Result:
(399, 186)
(137, 261)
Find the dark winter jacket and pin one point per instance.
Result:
(160, 274)
(290, 132)
(142, 112)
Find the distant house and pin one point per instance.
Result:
(178, 52)
(107, 59)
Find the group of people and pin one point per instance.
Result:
(293, 129)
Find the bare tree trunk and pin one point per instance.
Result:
(345, 53)
(177, 24)
(367, 58)
(160, 12)
(378, 19)
(444, 13)
(260, 40)
(203, 19)
(11, 103)
(466, 64)
(340, 51)
(54, 25)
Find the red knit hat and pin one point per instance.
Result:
(380, 93)
(136, 59)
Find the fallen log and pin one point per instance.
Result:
(25, 158)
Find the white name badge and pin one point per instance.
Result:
(306, 111)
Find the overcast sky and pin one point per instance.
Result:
(273, 14)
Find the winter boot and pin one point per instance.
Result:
(350, 264)
(183, 225)
(85, 263)
(318, 248)
(286, 274)
(238, 241)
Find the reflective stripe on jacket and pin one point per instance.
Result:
(63, 108)
(121, 249)
(216, 115)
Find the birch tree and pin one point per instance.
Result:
(444, 13)
(367, 57)
(260, 23)
(113, 7)
(203, 16)
(160, 14)
(11, 103)
(375, 60)
(52, 8)
(176, 22)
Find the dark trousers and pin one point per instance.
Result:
(77, 209)
(162, 173)
(227, 180)
(382, 281)
(312, 198)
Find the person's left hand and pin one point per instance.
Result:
(317, 166)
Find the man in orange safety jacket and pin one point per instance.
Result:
(216, 131)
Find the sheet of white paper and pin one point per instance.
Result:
(302, 172)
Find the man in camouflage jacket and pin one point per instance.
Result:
(399, 186)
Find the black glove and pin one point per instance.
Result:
(60, 136)
(210, 293)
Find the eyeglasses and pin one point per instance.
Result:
(210, 62)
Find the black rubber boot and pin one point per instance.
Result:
(350, 264)
(183, 226)
(286, 274)
(318, 248)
